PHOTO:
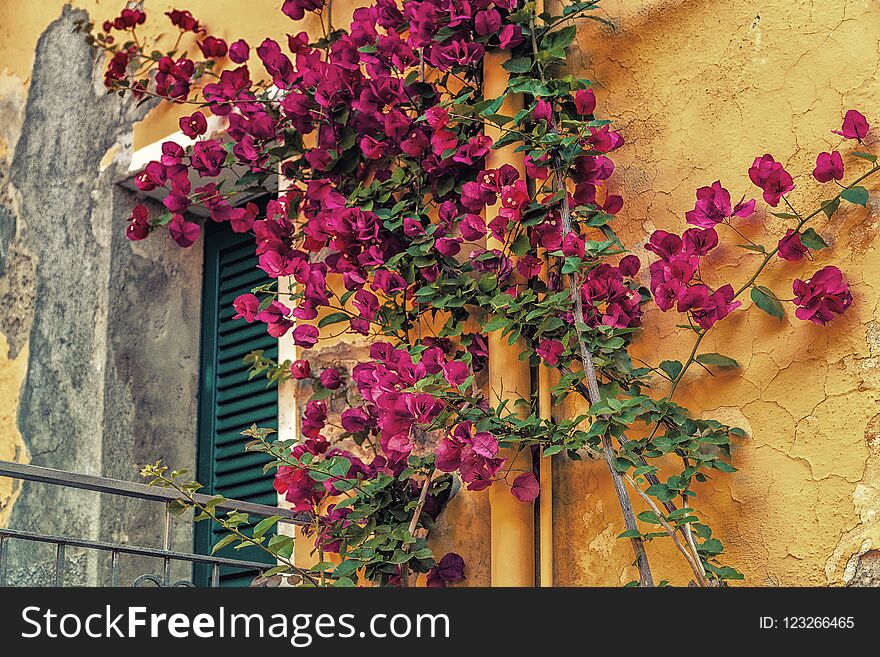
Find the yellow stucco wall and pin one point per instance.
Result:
(698, 89)
(12, 447)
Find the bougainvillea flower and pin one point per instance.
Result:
(184, 232)
(173, 78)
(855, 126)
(366, 303)
(771, 177)
(829, 166)
(543, 111)
(537, 169)
(823, 297)
(529, 266)
(456, 372)
(208, 158)
(699, 241)
(525, 487)
(573, 246)
(713, 207)
(629, 265)
(451, 568)
(239, 51)
(355, 420)
(194, 125)
(510, 36)
(305, 336)
(550, 351)
(791, 248)
(300, 369)
(487, 22)
(128, 18)
(433, 579)
(448, 246)
(296, 9)
(246, 307)
(212, 47)
(183, 19)
(708, 307)
(485, 444)
(139, 228)
(330, 378)
(585, 101)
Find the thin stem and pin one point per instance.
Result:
(248, 539)
(629, 516)
(691, 559)
(423, 496)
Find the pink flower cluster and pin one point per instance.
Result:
(821, 298)
(675, 277)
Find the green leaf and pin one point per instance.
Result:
(528, 85)
(716, 359)
(765, 300)
(264, 525)
(333, 318)
(672, 368)
(661, 491)
(497, 322)
(812, 240)
(830, 206)
(560, 38)
(223, 542)
(518, 65)
(521, 244)
(345, 568)
(856, 195)
(867, 156)
(649, 517)
(630, 533)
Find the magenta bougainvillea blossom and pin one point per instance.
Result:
(396, 223)
(713, 207)
(824, 296)
(855, 126)
(771, 176)
(829, 166)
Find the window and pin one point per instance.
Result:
(228, 402)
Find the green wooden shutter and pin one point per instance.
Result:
(228, 402)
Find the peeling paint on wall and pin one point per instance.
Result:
(12, 447)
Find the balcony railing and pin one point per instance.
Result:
(140, 491)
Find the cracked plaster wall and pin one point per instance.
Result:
(699, 89)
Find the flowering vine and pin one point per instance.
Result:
(392, 225)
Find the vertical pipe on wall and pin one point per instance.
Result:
(512, 522)
(545, 500)
(545, 520)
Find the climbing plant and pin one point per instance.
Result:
(392, 224)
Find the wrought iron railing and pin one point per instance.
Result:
(130, 489)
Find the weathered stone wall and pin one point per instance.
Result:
(109, 329)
